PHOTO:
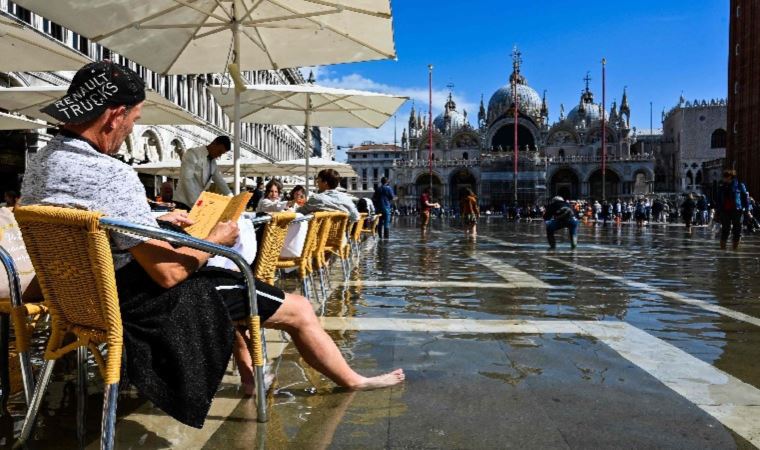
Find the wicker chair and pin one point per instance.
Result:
(304, 262)
(318, 256)
(272, 241)
(356, 235)
(12, 309)
(71, 254)
(371, 227)
(337, 241)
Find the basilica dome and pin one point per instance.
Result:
(457, 120)
(591, 113)
(529, 102)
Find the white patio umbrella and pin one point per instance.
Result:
(157, 110)
(12, 122)
(23, 48)
(204, 36)
(309, 105)
(296, 166)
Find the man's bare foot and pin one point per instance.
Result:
(379, 382)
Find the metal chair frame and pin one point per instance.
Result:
(27, 377)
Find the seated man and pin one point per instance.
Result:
(329, 198)
(560, 215)
(178, 334)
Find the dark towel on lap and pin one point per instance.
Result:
(178, 341)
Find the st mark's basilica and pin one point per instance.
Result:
(560, 158)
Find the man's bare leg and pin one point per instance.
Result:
(296, 317)
(243, 359)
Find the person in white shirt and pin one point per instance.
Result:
(198, 170)
(271, 202)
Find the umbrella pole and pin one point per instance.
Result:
(307, 133)
(236, 118)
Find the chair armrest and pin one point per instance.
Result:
(14, 280)
(192, 242)
(302, 219)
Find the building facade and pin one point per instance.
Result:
(371, 162)
(693, 133)
(743, 151)
(560, 158)
(156, 143)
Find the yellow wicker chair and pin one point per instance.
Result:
(320, 249)
(72, 257)
(356, 234)
(272, 241)
(13, 310)
(371, 227)
(337, 241)
(304, 262)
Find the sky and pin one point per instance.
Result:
(657, 49)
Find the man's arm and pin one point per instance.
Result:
(221, 185)
(169, 266)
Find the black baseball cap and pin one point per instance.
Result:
(94, 88)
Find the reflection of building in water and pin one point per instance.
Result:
(560, 158)
(156, 143)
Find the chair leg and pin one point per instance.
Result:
(34, 405)
(27, 376)
(108, 424)
(5, 376)
(314, 287)
(305, 288)
(81, 394)
(322, 283)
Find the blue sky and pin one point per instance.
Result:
(657, 49)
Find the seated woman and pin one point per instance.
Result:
(177, 315)
(271, 201)
(297, 196)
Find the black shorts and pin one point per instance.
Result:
(134, 284)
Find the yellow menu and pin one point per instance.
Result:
(211, 209)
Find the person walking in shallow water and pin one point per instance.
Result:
(560, 215)
(733, 201)
(468, 208)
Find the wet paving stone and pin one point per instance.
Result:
(436, 305)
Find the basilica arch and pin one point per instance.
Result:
(565, 182)
(423, 181)
(465, 139)
(612, 183)
(563, 136)
(501, 134)
(459, 180)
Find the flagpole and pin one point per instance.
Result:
(430, 127)
(604, 129)
(514, 93)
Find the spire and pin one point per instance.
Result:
(625, 110)
(561, 111)
(544, 107)
(613, 112)
(412, 119)
(481, 113)
(311, 78)
(450, 105)
(516, 77)
(586, 96)
(404, 139)
(419, 120)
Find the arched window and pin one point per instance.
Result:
(718, 139)
(561, 153)
(465, 155)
